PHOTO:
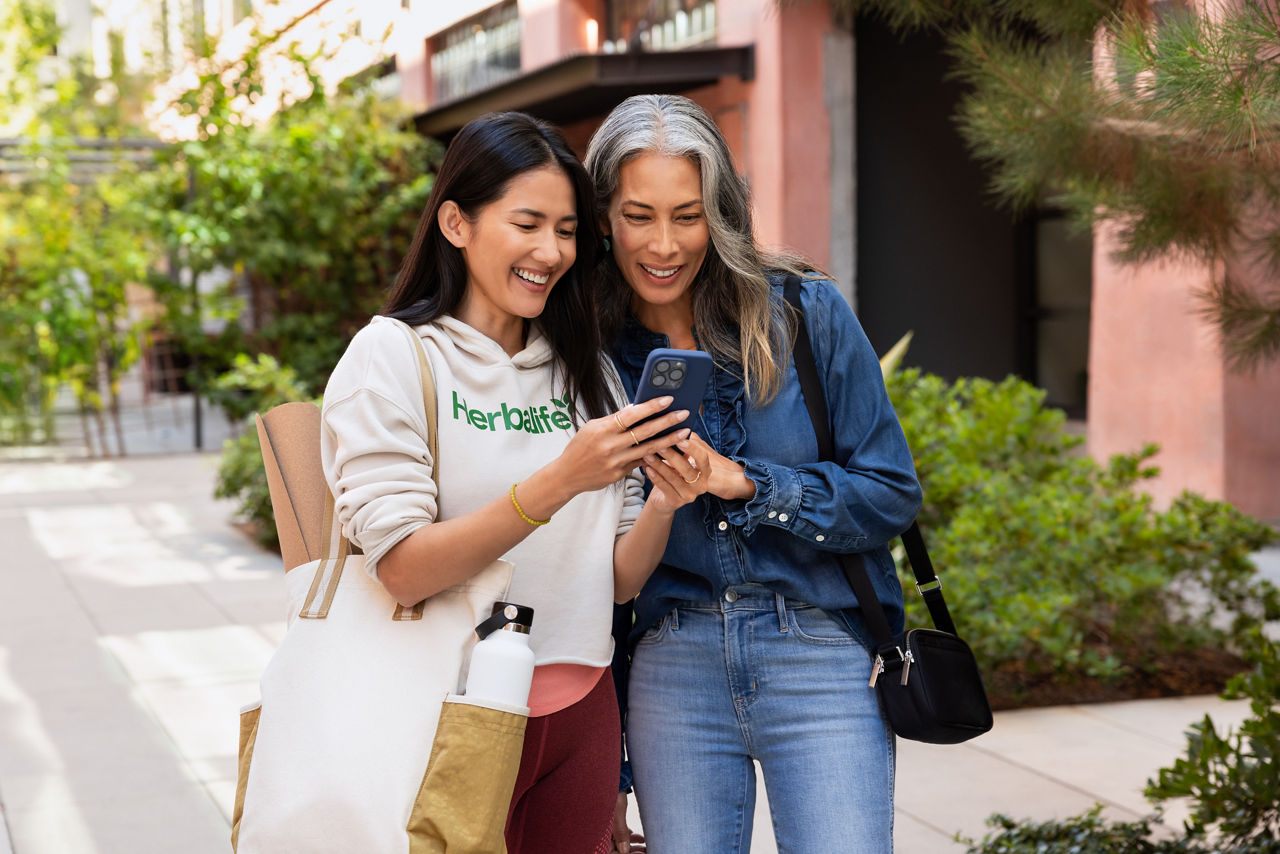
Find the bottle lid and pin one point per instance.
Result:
(509, 616)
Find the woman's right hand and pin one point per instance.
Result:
(605, 450)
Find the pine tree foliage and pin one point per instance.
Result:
(1162, 122)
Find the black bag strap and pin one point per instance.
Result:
(854, 566)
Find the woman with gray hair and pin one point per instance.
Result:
(746, 638)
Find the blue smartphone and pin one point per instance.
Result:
(680, 373)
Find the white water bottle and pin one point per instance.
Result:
(502, 663)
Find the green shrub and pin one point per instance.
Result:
(241, 476)
(1230, 779)
(962, 431)
(1055, 564)
(255, 385)
(252, 385)
(1082, 834)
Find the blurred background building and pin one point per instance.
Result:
(844, 131)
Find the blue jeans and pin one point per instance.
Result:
(754, 676)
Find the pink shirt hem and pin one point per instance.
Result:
(559, 686)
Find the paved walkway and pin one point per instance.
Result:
(134, 621)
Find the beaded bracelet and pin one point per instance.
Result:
(523, 515)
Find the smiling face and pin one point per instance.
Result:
(659, 230)
(516, 249)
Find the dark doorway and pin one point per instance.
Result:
(982, 290)
(935, 254)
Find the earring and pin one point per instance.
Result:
(606, 244)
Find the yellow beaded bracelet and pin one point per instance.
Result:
(523, 515)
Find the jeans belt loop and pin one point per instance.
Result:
(781, 602)
(675, 619)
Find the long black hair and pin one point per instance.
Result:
(481, 161)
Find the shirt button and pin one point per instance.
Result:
(773, 513)
(821, 537)
(782, 517)
(724, 526)
(731, 596)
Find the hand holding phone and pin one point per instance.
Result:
(680, 373)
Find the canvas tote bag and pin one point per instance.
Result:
(361, 742)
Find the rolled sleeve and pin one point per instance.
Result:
(373, 444)
(381, 475)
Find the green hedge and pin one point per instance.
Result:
(1056, 564)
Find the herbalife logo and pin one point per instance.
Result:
(530, 419)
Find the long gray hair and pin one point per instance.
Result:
(737, 318)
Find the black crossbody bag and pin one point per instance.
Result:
(927, 680)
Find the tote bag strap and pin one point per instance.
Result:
(335, 548)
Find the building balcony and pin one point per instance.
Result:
(476, 54)
(654, 25)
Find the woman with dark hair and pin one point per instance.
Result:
(537, 460)
(746, 637)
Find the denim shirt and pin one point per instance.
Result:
(804, 513)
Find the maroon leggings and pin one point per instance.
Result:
(568, 782)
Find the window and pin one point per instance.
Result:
(477, 53)
(1056, 315)
(659, 24)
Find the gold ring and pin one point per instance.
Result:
(695, 478)
(633, 436)
(621, 426)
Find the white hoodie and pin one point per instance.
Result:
(500, 420)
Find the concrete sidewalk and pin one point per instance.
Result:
(134, 622)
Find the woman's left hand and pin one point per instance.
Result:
(722, 477)
(624, 840)
(678, 476)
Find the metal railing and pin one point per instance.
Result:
(476, 54)
(659, 25)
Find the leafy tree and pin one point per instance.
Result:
(311, 210)
(28, 35)
(67, 250)
(70, 259)
(307, 215)
(1145, 115)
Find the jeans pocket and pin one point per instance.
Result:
(655, 634)
(815, 626)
